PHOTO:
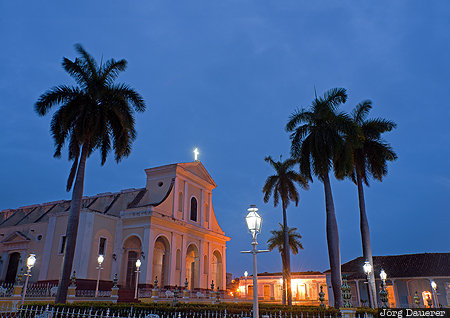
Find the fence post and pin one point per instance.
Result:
(17, 292)
(348, 312)
(71, 291)
(115, 290)
(155, 290)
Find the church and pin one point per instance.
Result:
(170, 225)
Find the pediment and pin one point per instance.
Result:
(16, 237)
(197, 169)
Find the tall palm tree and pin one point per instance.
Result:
(283, 185)
(316, 139)
(368, 154)
(94, 114)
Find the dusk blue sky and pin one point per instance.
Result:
(224, 76)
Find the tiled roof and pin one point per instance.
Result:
(100, 203)
(407, 265)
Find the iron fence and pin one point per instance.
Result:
(71, 312)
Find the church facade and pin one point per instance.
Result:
(170, 225)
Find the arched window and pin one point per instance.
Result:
(194, 209)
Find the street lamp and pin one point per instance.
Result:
(383, 291)
(434, 287)
(100, 260)
(254, 222)
(245, 275)
(31, 260)
(138, 270)
(368, 269)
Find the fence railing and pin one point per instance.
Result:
(167, 293)
(67, 312)
(91, 293)
(41, 290)
(6, 289)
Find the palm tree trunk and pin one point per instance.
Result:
(333, 243)
(287, 259)
(283, 292)
(365, 237)
(72, 228)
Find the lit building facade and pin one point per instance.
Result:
(305, 287)
(169, 224)
(406, 275)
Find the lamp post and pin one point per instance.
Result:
(245, 275)
(138, 270)
(368, 269)
(100, 260)
(31, 260)
(435, 300)
(383, 291)
(254, 222)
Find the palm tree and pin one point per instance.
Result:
(368, 154)
(316, 138)
(277, 240)
(94, 114)
(283, 185)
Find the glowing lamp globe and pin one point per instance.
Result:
(367, 268)
(245, 273)
(254, 220)
(383, 275)
(100, 259)
(138, 263)
(433, 285)
(31, 260)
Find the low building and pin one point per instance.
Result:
(305, 287)
(169, 224)
(406, 275)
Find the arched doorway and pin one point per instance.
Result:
(13, 265)
(192, 266)
(216, 273)
(131, 252)
(161, 254)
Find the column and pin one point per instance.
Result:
(47, 250)
(173, 259)
(186, 203)
(224, 269)
(208, 274)
(201, 261)
(183, 260)
(202, 208)
(146, 249)
(117, 250)
(397, 302)
(175, 199)
(84, 245)
(146, 271)
(358, 295)
(210, 210)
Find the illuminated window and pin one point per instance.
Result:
(194, 209)
(427, 298)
